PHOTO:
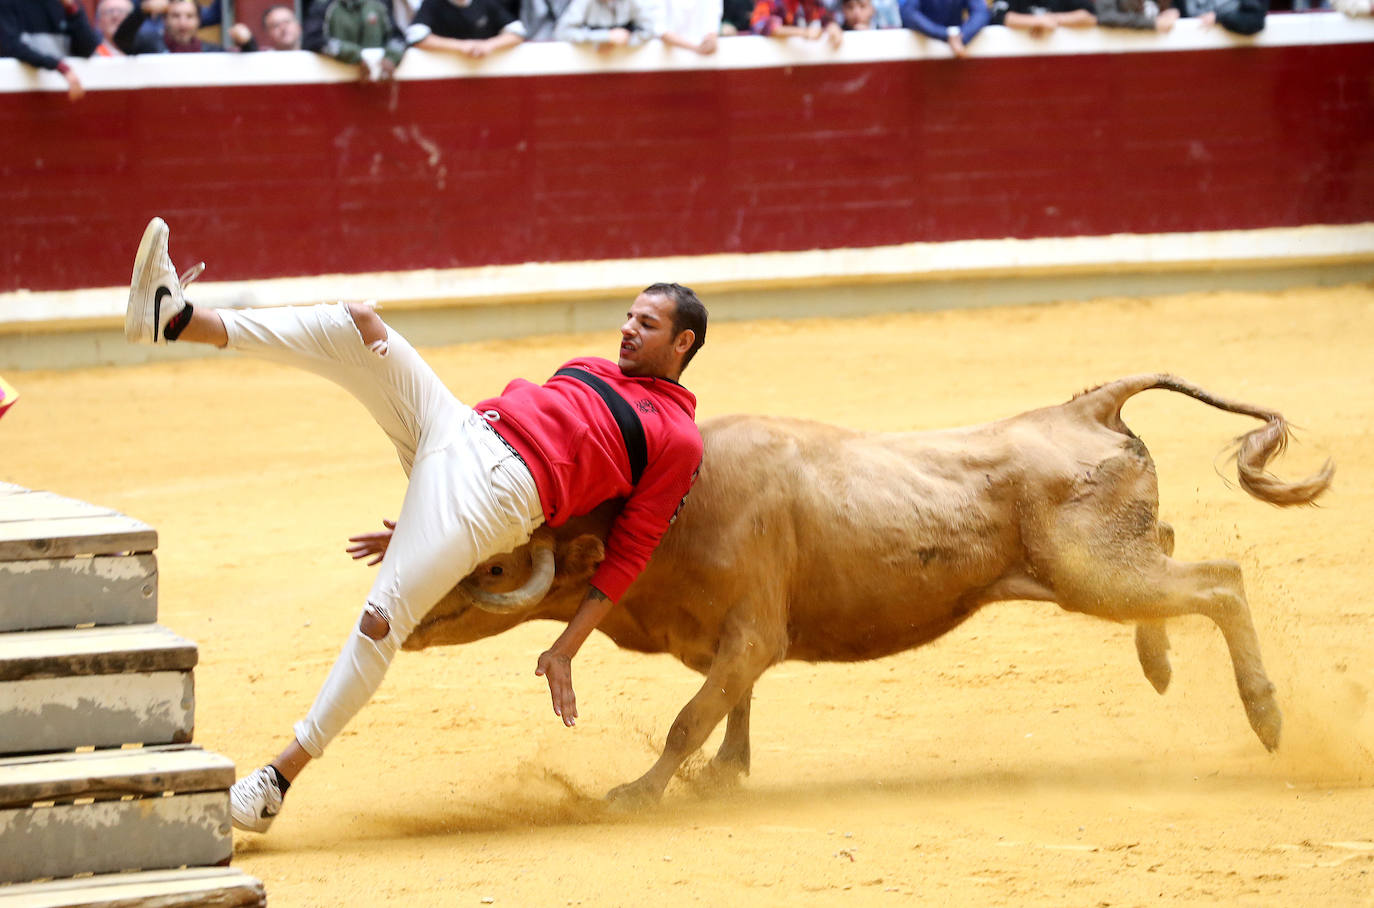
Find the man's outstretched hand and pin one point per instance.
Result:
(373, 544)
(555, 663)
(557, 669)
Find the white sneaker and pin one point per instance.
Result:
(255, 800)
(155, 293)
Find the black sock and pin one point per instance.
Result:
(177, 324)
(282, 784)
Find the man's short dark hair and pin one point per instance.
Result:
(273, 8)
(688, 313)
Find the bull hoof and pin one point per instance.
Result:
(1152, 648)
(721, 775)
(1159, 673)
(717, 777)
(1266, 720)
(632, 797)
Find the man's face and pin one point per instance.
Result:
(648, 346)
(858, 14)
(109, 14)
(182, 21)
(283, 29)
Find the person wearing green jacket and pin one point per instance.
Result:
(344, 29)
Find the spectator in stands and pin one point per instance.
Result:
(403, 13)
(181, 21)
(343, 29)
(1042, 17)
(108, 16)
(945, 20)
(734, 19)
(692, 25)
(1244, 17)
(862, 15)
(42, 32)
(1144, 14)
(211, 14)
(282, 28)
(473, 28)
(540, 17)
(784, 18)
(610, 23)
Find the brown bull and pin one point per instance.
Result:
(812, 542)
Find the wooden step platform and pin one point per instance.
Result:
(144, 821)
(65, 563)
(44, 525)
(211, 887)
(113, 810)
(66, 592)
(112, 774)
(101, 686)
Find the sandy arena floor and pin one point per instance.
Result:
(1022, 760)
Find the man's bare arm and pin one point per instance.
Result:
(555, 663)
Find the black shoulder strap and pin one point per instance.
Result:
(631, 429)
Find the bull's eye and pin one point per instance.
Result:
(497, 570)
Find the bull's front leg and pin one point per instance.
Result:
(742, 656)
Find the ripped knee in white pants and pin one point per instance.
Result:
(375, 624)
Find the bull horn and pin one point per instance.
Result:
(533, 590)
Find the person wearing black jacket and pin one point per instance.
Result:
(42, 32)
(1244, 17)
(474, 28)
(1043, 17)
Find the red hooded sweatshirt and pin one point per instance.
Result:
(574, 449)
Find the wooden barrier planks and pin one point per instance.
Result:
(49, 714)
(100, 686)
(31, 505)
(44, 525)
(109, 774)
(65, 563)
(65, 538)
(211, 887)
(104, 589)
(105, 811)
(110, 836)
(93, 651)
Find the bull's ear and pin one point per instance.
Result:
(583, 555)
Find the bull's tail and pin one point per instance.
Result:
(1253, 450)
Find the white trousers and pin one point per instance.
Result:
(469, 496)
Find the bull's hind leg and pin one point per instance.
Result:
(743, 654)
(1151, 639)
(1152, 648)
(732, 759)
(1167, 589)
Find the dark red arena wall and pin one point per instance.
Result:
(311, 178)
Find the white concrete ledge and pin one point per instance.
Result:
(565, 282)
(744, 52)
